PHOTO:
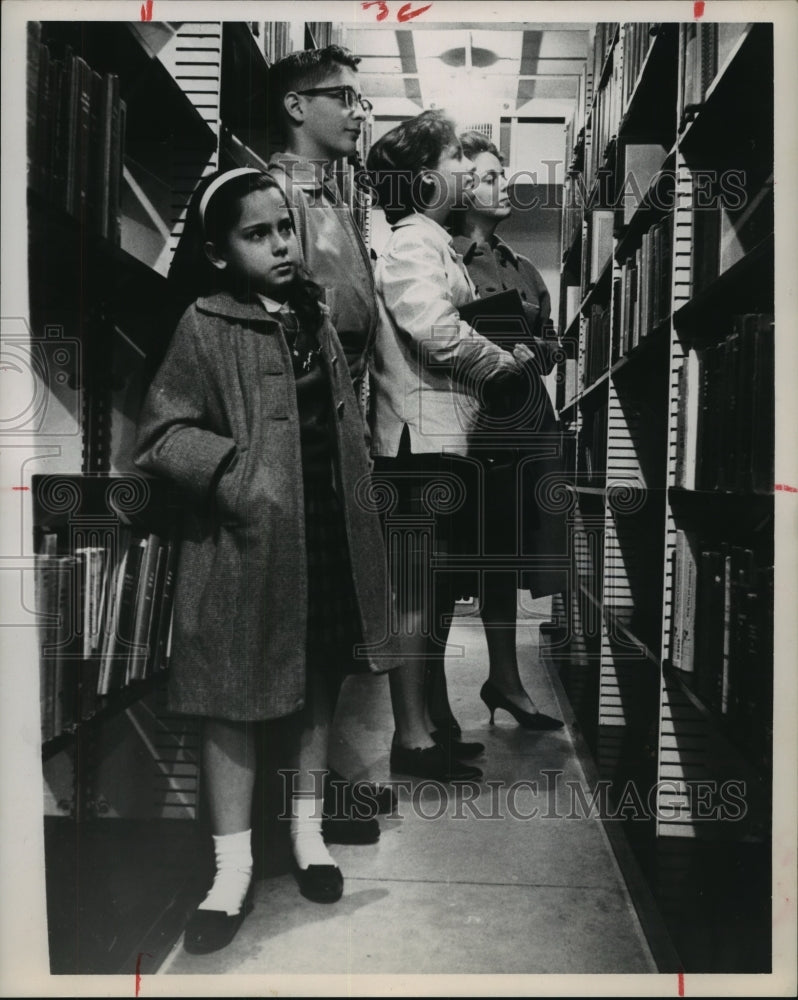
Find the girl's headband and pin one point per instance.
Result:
(214, 186)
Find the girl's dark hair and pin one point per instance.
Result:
(396, 161)
(474, 143)
(192, 275)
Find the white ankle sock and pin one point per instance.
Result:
(233, 872)
(306, 837)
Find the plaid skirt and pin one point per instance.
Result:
(431, 516)
(333, 615)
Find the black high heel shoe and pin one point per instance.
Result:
(494, 699)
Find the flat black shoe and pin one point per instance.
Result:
(494, 699)
(321, 883)
(348, 830)
(344, 799)
(211, 930)
(447, 725)
(431, 762)
(457, 748)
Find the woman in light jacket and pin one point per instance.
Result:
(428, 374)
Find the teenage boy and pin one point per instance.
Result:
(316, 102)
(318, 106)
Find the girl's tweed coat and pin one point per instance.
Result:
(221, 421)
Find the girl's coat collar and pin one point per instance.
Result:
(224, 304)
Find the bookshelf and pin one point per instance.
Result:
(666, 393)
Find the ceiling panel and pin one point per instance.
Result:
(465, 62)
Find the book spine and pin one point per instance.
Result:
(73, 74)
(145, 595)
(763, 419)
(678, 592)
(118, 124)
(57, 153)
(35, 54)
(690, 584)
(127, 612)
(165, 605)
(111, 649)
(46, 596)
(726, 644)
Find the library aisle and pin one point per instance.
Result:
(467, 895)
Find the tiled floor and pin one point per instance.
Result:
(453, 886)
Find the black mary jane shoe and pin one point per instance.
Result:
(211, 930)
(457, 748)
(434, 762)
(320, 883)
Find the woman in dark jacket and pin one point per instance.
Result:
(517, 522)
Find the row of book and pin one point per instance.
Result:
(604, 37)
(703, 49)
(725, 418)
(643, 290)
(571, 222)
(722, 630)
(604, 121)
(597, 344)
(76, 136)
(638, 38)
(591, 447)
(105, 621)
(597, 249)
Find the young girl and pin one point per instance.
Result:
(282, 571)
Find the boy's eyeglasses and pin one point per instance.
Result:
(347, 94)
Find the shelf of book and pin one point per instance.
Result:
(656, 340)
(108, 706)
(125, 119)
(749, 281)
(605, 39)
(656, 200)
(587, 393)
(687, 384)
(739, 742)
(650, 108)
(244, 107)
(722, 60)
(597, 289)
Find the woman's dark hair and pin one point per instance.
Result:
(192, 275)
(474, 143)
(302, 71)
(397, 160)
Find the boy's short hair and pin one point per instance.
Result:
(396, 161)
(474, 143)
(304, 70)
